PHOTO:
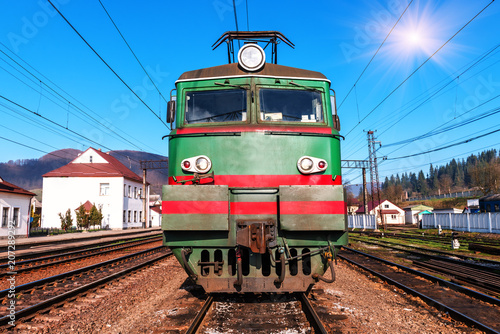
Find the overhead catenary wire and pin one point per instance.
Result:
(133, 53)
(61, 97)
(373, 57)
(418, 102)
(107, 65)
(418, 68)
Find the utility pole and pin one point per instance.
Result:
(372, 153)
(145, 165)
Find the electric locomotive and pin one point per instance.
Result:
(254, 201)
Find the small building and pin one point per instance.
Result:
(413, 213)
(15, 208)
(100, 179)
(447, 210)
(155, 216)
(386, 210)
(490, 203)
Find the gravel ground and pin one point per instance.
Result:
(161, 299)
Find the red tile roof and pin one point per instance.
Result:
(6, 187)
(113, 168)
(87, 206)
(156, 209)
(390, 212)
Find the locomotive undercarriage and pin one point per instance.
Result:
(240, 269)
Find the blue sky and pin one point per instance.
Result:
(334, 37)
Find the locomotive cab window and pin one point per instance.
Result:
(290, 105)
(226, 105)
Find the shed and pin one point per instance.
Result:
(490, 203)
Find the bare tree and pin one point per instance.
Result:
(486, 176)
(445, 183)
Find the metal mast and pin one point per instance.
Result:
(372, 157)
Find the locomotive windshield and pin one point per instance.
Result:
(223, 105)
(290, 105)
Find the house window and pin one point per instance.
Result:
(5, 216)
(488, 208)
(124, 190)
(130, 191)
(386, 206)
(104, 189)
(135, 216)
(15, 218)
(135, 192)
(496, 208)
(139, 193)
(140, 216)
(124, 216)
(90, 159)
(393, 216)
(128, 220)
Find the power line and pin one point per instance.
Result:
(133, 53)
(61, 96)
(447, 146)
(437, 93)
(248, 24)
(419, 67)
(236, 20)
(105, 63)
(376, 52)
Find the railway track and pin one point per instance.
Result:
(473, 272)
(253, 314)
(474, 308)
(84, 246)
(73, 256)
(50, 292)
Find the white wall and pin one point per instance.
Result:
(132, 202)
(63, 193)
(12, 201)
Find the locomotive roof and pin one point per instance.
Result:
(269, 70)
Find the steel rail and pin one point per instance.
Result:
(195, 325)
(461, 256)
(95, 252)
(311, 314)
(453, 286)
(64, 296)
(456, 314)
(43, 281)
(94, 245)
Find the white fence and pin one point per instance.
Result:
(469, 222)
(362, 221)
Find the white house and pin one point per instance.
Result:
(413, 213)
(155, 216)
(102, 180)
(392, 214)
(15, 208)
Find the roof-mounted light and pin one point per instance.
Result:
(251, 57)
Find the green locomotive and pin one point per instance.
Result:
(255, 200)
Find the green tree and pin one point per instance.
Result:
(82, 218)
(66, 220)
(95, 216)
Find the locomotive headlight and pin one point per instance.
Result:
(251, 57)
(202, 164)
(198, 164)
(306, 164)
(309, 165)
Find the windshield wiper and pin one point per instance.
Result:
(226, 84)
(306, 87)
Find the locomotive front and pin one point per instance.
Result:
(255, 199)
